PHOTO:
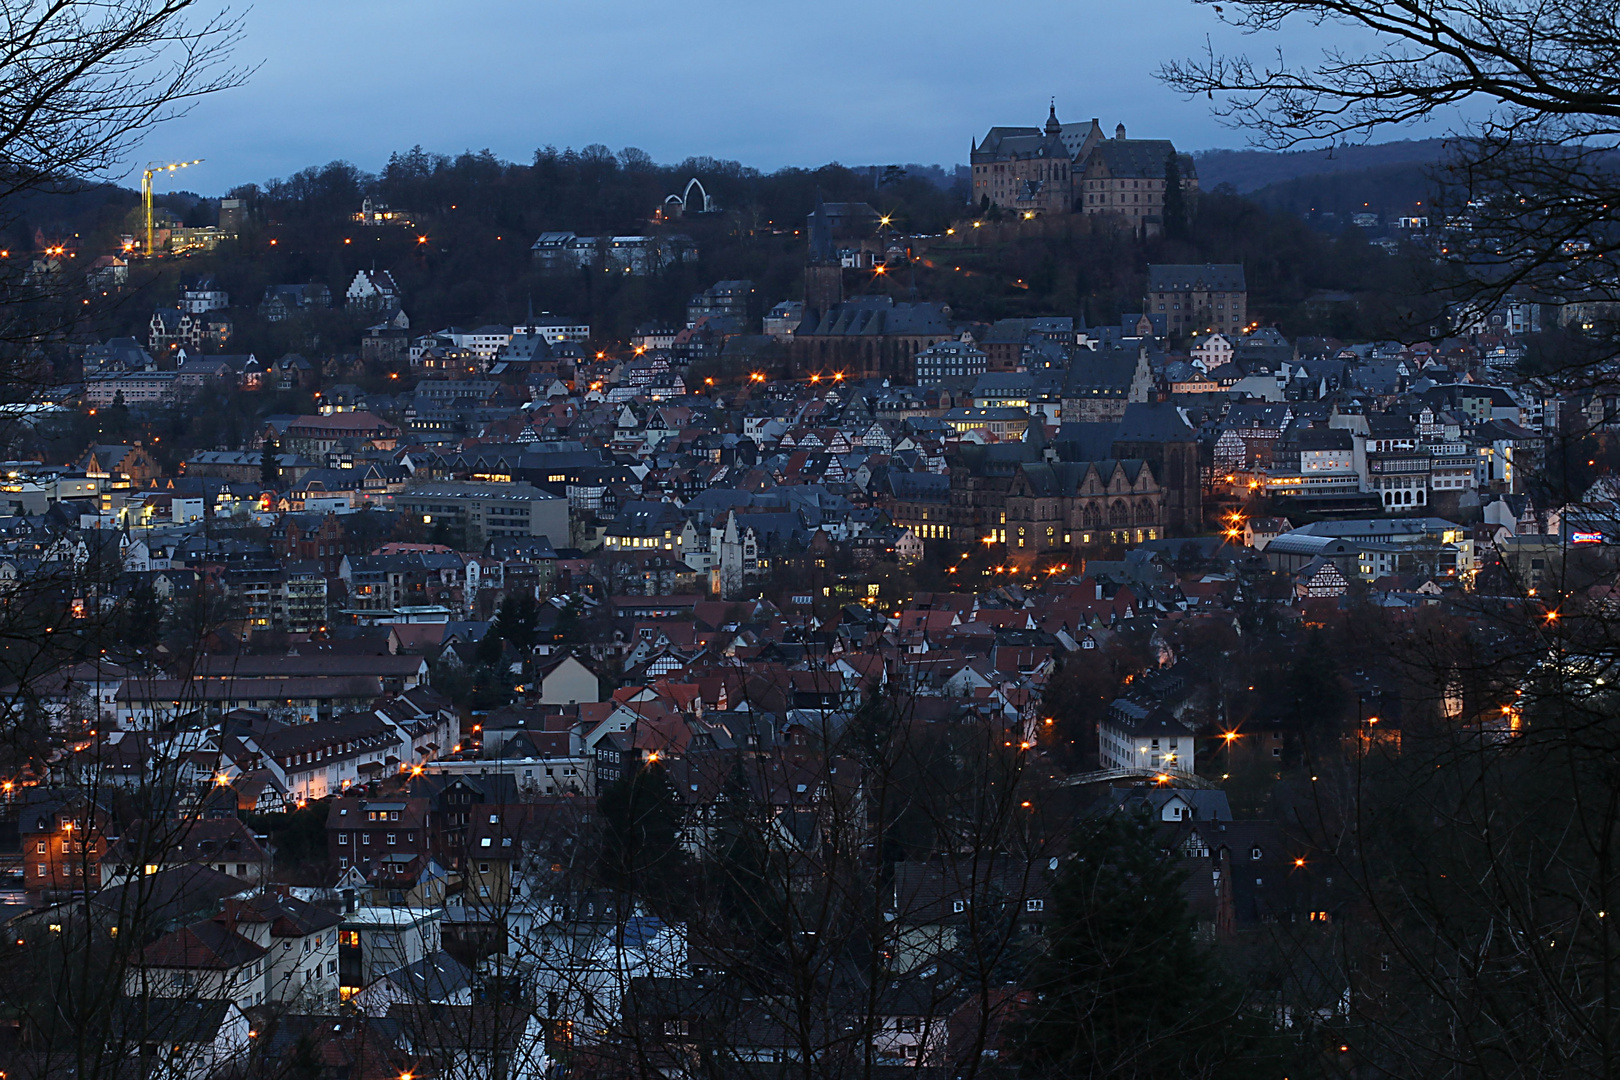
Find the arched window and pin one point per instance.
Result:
(1119, 513)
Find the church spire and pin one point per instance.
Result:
(1052, 125)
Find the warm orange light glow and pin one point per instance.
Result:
(222, 780)
(1299, 862)
(838, 376)
(1163, 778)
(815, 378)
(421, 239)
(1229, 735)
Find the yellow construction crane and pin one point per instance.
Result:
(146, 192)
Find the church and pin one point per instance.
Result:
(864, 336)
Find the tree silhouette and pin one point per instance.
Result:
(1125, 988)
(1175, 199)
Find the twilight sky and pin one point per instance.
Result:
(766, 82)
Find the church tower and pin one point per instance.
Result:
(823, 270)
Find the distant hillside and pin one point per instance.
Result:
(1387, 190)
(1251, 170)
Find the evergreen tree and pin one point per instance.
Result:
(1175, 199)
(640, 815)
(518, 621)
(143, 618)
(269, 467)
(1125, 990)
(491, 647)
(745, 893)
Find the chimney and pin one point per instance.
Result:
(1119, 133)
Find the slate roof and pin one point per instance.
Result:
(875, 316)
(932, 487)
(1024, 142)
(1068, 477)
(1180, 277)
(1154, 422)
(1139, 158)
(1102, 371)
(176, 1021)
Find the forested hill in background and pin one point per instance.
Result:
(1252, 170)
(1391, 179)
(467, 260)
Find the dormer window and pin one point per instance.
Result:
(1255, 854)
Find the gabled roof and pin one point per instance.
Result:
(205, 945)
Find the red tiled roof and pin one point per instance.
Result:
(203, 945)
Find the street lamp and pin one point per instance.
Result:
(1230, 737)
